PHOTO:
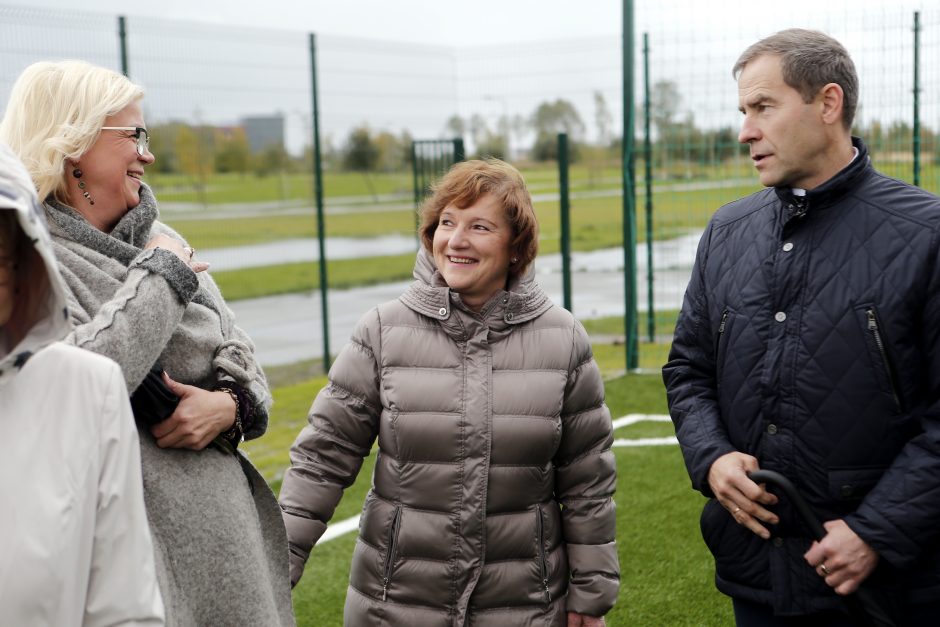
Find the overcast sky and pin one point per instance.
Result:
(487, 57)
(446, 22)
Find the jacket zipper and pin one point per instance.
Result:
(543, 564)
(392, 537)
(879, 342)
(721, 331)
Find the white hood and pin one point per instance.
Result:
(18, 194)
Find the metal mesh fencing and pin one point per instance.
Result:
(229, 109)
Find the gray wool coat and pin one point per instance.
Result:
(491, 501)
(219, 541)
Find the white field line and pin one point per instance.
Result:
(342, 527)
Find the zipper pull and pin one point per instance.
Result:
(724, 320)
(548, 594)
(872, 323)
(384, 588)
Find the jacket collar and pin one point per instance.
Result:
(17, 194)
(430, 296)
(835, 188)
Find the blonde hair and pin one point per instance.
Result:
(55, 114)
(465, 184)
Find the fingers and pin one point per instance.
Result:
(842, 558)
(743, 498)
(177, 247)
(175, 432)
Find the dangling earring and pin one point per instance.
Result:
(81, 185)
(514, 260)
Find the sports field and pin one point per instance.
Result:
(667, 571)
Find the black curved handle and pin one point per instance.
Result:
(862, 605)
(777, 480)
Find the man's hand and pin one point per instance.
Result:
(841, 557)
(197, 420)
(583, 620)
(739, 495)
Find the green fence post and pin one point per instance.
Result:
(629, 194)
(460, 154)
(318, 191)
(122, 40)
(648, 167)
(917, 98)
(414, 178)
(564, 203)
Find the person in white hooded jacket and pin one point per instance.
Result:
(75, 546)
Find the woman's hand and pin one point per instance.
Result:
(175, 246)
(583, 620)
(198, 419)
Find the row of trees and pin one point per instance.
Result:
(199, 151)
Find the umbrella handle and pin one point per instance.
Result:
(862, 604)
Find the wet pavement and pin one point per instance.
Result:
(288, 328)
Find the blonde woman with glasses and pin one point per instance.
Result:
(137, 295)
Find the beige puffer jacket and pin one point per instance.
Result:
(491, 499)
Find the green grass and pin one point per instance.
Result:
(667, 573)
(305, 276)
(238, 188)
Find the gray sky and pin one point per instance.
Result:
(449, 23)
(487, 57)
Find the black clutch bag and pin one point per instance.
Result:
(153, 401)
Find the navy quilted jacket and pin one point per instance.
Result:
(810, 338)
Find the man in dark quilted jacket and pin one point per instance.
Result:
(809, 344)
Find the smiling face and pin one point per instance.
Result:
(472, 249)
(789, 142)
(111, 170)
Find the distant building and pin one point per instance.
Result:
(263, 131)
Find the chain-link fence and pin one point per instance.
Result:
(230, 114)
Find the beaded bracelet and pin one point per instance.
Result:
(235, 433)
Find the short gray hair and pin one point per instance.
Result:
(809, 60)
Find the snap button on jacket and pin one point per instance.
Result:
(491, 501)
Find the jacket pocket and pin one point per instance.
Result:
(853, 483)
(390, 552)
(543, 559)
(878, 352)
(722, 335)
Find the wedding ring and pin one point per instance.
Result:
(824, 569)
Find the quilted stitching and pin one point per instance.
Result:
(811, 396)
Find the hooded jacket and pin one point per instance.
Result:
(491, 497)
(74, 540)
(219, 540)
(810, 339)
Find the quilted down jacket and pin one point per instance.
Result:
(810, 339)
(491, 496)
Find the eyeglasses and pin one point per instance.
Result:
(140, 134)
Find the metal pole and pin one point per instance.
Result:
(418, 193)
(122, 38)
(460, 153)
(318, 191)
(629, 194)
(565, 220)
(648, 162)
(917, 98)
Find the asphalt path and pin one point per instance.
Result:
(289, 328)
